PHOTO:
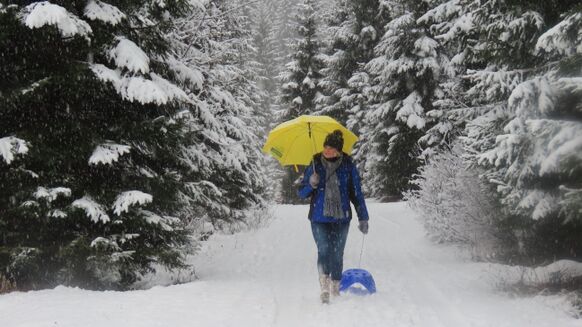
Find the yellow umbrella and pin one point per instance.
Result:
(294, 142)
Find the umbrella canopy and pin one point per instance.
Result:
(294, 142)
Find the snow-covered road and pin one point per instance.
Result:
(268, 278)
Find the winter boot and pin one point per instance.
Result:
(335, 286)
(324, 282)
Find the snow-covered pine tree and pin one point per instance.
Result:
(536, 159)
(285, 30)
(354, 30)
(226, 175)
(264, 43)
(453, 28)
(463, 30)
(267, 56)
(456, 205)
(302, 75)
(498, 53)
(498, 41)
(247, 122)
(489, 43)
(89, 134)
(404, 75)
(301, 88)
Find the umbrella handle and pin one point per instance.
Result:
(313, 147)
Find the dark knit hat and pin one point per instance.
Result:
(335, 139)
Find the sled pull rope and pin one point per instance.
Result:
(361, 251)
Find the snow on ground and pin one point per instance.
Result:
(268, 278)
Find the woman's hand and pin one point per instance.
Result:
(363, 226)
(314, 180)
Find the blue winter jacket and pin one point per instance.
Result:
(350, 190)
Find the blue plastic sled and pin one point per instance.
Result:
(352, 277)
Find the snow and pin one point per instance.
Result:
(129, 198)
(425, 47)
(165, 222)
(142, 90)
(29, 203)
(34, 86)
(412, 111)
(129, 55)
(359, 80)
(97, 10)
(121, 256)
(108, 153)
(222, 96)
(573, 84)
(51, 194)
(441, 12)
(546, 206)
(557, 39)
(491, 84)
(522, 97)
(56, 213)
(566, 267)
(369, 31)
(268, 277)
(459, 58)
(542, 202)
(171, 90)
(564, 146)
(308, 82)
(198, 4)
(298, 101)
(39, 14)
(102, 242)
(9, 146)
(290, 86)
(105, 74)
(399, 23)
(136, 88)
(187, 74)
(93, 209)
(517, 25)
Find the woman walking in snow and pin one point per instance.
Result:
(332, 186)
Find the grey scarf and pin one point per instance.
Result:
(332, 205)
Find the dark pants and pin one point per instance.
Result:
(330, 239)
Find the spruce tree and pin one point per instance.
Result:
(246, 123)
(534, 159)
(510, 82)
(302, 75)
(226, 177)
(285, 30)
(354, 30)
(301, 80)
(489, 45)
(267, 57)
(89, 108)
(264, 42)
(404, 76)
